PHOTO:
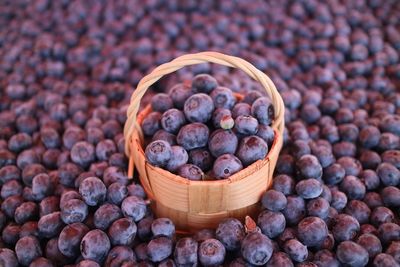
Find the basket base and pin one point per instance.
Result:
(186, 223)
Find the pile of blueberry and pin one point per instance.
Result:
(68, 69)
(203, 129)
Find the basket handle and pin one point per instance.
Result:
(193, 59)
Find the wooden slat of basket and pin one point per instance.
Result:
(208, 199)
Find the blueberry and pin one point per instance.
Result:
(68, 172)
(151, 123)
(391, 196)
(371, 243)
(381, 215)
(204, 234)
(226, 165)
(370, 179)
(50, 225)
(191, 172)
(122, 232)
(11, 234)
(392, 157)
(94, 135)
(230, 232)
(70, 238)
(167, 263)
(279, 259)
(204, 83)
(68, 195)
(263, 110)
(8, 257)
(325, 258)
(87, 263)
(285, 164)
(164, 227)
(159, 248)
(19, 142)
(104, 149)
(119, 255)
(350, 253)
(251, 97)
(318, 207)
(161, 102)
(388, 174)
(105, 215)
(27, 157)
(10, 204)
(345, 227)
(136, 190)
(179, 93)
(27, 250)
(186, 251)
(198, 108)
(369, 159)
(241, 109)
(385, 260)
(71, 136)
(74, 210)
(116, 193)
(309, 167)
(93, 191)
(358, 210)
(222, 142)
(179, 157)
(251, 149)
(11, 188)
(388, 141)
(10, 172)
(388, 232)
(324, 156)
(256, 248)
(353, 187)
(296, 250)
(141, 251)
(165, 136)
(133, 207)
(394, 250)
(312, 231)
(333, 174)
(172, 120)
(42, 186)
(295, 210)
(348, 132)
(211, 252)
(202, 158)
(271, 223)
(283, 183)
(194, 135)
(95, 245)
(273, 200)
(223, 97)
(309, 188)
(368, 229)
(246, 125)
(351, 166)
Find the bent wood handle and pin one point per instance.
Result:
(193, 59)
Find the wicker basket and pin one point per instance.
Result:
(196, 205)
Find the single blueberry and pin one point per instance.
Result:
(226, 165)
(194, 135)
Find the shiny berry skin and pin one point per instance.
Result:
(226, 165)
(158, 153)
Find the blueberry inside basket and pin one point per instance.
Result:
(192, 204)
